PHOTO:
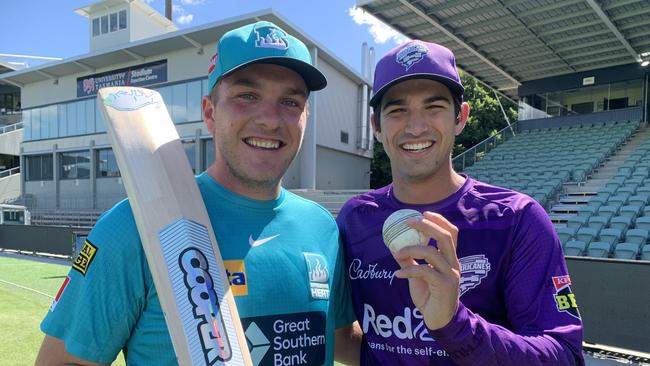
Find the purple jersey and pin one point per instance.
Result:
(516, 305)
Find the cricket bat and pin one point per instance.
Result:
(175, 229)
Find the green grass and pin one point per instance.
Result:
(22, 310)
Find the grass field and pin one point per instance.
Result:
(26, 291)
(27, 288)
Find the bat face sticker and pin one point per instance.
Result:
(130, 99)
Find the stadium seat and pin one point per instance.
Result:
(576, 248)
(608, 210)
(599, 249)
(586, 210)
(645, 253)
(643, 222)
(631, 210)
(598, 222)
(630, 189)
(577, 221)
(611, 236)
(626, 251)
(620, 222)
(587, 235)
(566, 233)
(639, 199)
(637, 236)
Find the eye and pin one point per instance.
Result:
(291, 103)
(247, 96)
(396, 111)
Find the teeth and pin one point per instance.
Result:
(417, 146)
(264, 144)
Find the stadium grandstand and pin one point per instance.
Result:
(578, 69)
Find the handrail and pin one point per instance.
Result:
(472, 155)
(12, 127)
(9, 172)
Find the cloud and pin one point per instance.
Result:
(149, 1)
(182, 17)
(192, 2)
(381, 33)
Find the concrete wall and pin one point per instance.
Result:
(340, 170)
(40, 239)
(9, 188)
(10, 142)
(613, 297)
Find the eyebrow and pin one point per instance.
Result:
(399, 102)
(243, 81)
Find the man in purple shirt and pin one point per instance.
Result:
(492, 286)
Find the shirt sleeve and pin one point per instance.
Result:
(101, 300)
(545, 325)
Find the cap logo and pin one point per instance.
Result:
(213, 63)
(271, 37)
(410, 55)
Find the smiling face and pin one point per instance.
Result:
(418, 130)
(257, 116)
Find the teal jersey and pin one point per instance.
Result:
(283, 261)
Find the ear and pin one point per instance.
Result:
(375, 131)
(207, 111)
(463, 115)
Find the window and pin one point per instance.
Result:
(122, 15)
(106, 164)
(74, 165)
(95, 27)
(190, 151)
(344, 137)
(113, 18)
(179, 103)
(208, 153)
(104, 24)
(39, 167)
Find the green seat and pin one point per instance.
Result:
(626, 251)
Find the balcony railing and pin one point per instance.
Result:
(9, 128)
(9, 172)
(478, 151)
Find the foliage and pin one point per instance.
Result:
(485, 120)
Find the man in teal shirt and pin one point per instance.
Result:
(280, 251)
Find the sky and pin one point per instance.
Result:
(49, 28)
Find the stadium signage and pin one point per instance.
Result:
(137, 75)
(589, 80)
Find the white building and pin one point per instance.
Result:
(65, 156)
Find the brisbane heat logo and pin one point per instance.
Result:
(564, 297)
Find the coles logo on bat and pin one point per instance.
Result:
(131, 100)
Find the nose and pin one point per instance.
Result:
(416, 123)
(269, 116)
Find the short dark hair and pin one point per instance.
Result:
(376, 110)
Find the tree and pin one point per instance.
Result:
(486, 119)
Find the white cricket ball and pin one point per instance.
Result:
(397, 234)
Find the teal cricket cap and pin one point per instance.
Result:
(263, 42)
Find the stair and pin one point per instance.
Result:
(579, 194)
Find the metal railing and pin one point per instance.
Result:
(477, 152)
(9, 172)
(10, 128)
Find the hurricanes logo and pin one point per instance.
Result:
(565, 300)
(410, 55)
(271, 37)
(473, 269)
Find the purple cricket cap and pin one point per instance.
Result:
(416, 60)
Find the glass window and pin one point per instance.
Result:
(39, 167)
(208, 153)
(27, 125)
(113, 18)
(190, 151)
(89, 121)
(194, 101)
(204, 86)
(81, 117)
(179, 103)
(95, 27)
(62, 118)
(122, 19)
(166, 94)
(106, 164)
(71, 122)
(99, 121)
(104, 24)
(75, 165)
(36, 124)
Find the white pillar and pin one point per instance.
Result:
(308, 151)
